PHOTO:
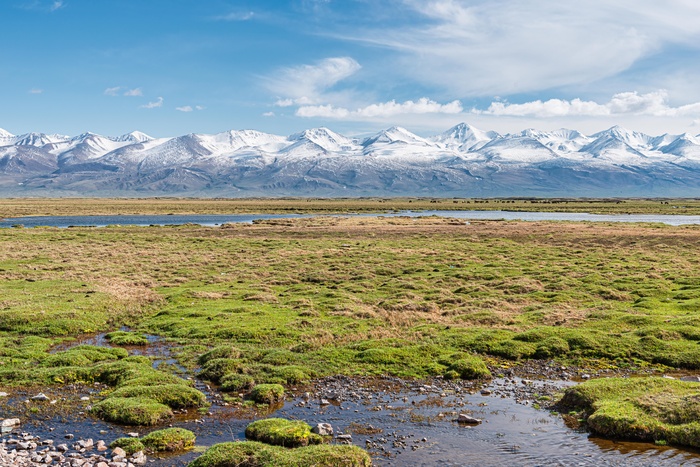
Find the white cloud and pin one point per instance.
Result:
(309, 84)
(189, 108)
(136, 92)
(381, 110)
(268, 114)
(46, 6)
(626, 103)
(112, 91)
(236, 16)
(487, 47)
(153, 105)
(36, 91)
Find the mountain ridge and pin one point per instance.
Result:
(462, 161)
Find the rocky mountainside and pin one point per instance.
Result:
(463, 161)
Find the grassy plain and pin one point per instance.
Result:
(17, 207)
(284, 301)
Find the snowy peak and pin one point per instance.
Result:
(631, 138)
(133, 137)
(39, 139)
(394, 135)
(465, 137)
(4, 134)
(324, 138)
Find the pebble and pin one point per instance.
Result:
(22, 451)
(464, 418)
(40, 397)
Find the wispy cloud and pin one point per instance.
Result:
(153, 105)
(487, 47)
(36, 91)
(46, 6)
(268, 114)
(236, 16)
(625, 103)
(381, 110)
(308, 84)
(189, 108)
(136, 92)
(112, 91)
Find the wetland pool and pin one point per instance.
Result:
(219, 219)
(403, 423)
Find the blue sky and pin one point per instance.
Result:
(170, 67)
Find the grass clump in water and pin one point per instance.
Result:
(237, 382)
(132, 411)
(169, 439)
(647, 409)
(255, 454)
(176, 396)
(282, 432)
(130, 445)
(267, 393)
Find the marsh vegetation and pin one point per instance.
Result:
(281, 302)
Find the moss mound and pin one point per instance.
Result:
(469, 367)
(169, 439)
(216, 368)
(130, 445)
(254, 454)
(177, 396)
(132, 411)
(222, 351)
(647, 409)
(235, 382)
(267, 393)
(282, 432)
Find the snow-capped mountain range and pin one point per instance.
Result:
(462, 161)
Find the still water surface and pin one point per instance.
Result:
(218, 219)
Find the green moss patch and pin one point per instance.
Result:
(282, 432)
(469, 367)
(177, 396)
(267, 393)
(237, 382)
(132, 411)
(169, 439)
(254, 454)
(130, 445)
(648, 409)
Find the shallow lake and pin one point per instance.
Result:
(218, 219)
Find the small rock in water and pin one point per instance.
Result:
(118, 452)
(691, 379)
(323, 429)
(40, 397)
(464, 418)
(85, 398)
(324, 402)
(485, 392)
(3, 394)
(10, 422)
(133, 434)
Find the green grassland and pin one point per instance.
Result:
(289, 300)
(16, 207)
